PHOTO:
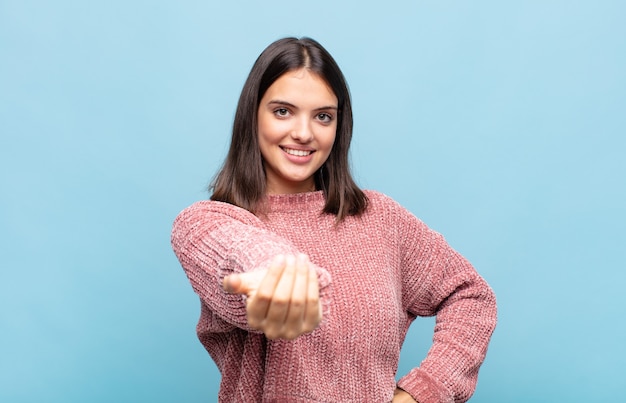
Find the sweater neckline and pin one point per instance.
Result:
(307, 201)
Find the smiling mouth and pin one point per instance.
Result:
(297, 153)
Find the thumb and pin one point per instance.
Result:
(242, 283)
(232, 284)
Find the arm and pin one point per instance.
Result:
(213, 240)
(439, 281)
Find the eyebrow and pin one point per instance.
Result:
(285, 103)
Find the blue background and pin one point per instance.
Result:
(500, 124)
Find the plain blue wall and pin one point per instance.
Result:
(500, 124)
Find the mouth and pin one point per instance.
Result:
(297, 153)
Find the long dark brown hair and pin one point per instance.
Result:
(241, 180)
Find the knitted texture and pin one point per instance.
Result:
(386, 267)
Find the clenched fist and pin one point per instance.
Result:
(283, 300)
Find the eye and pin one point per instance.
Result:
(324, 117)
(281, 112)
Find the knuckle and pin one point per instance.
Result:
(280, 302)
(308, 327)
(290, 335)
(254, 322)
(297, 303)
(263, 295)
(312, 323)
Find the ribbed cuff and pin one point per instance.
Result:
(424, 388)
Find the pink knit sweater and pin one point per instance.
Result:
(377, 272)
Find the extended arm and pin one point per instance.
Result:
(213, 240)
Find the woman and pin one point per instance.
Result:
(308, 284)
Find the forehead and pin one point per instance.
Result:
(301, 84)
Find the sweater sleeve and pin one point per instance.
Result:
(213, 240)
(439, 281)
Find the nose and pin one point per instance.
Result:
(302, 132)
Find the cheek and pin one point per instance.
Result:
(262, 127)
(264, 137)
(329, 140)
(270, 130)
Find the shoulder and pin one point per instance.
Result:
(209, 209)
(379, 202)
(390, 210)
(377, 198)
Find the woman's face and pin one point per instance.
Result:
(297, 122)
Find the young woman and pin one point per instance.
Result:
(308, 284)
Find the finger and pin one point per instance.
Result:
(297, 305)
(313, 311)
(281, 300)
(260, 301)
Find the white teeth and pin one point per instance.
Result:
(299, 153)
